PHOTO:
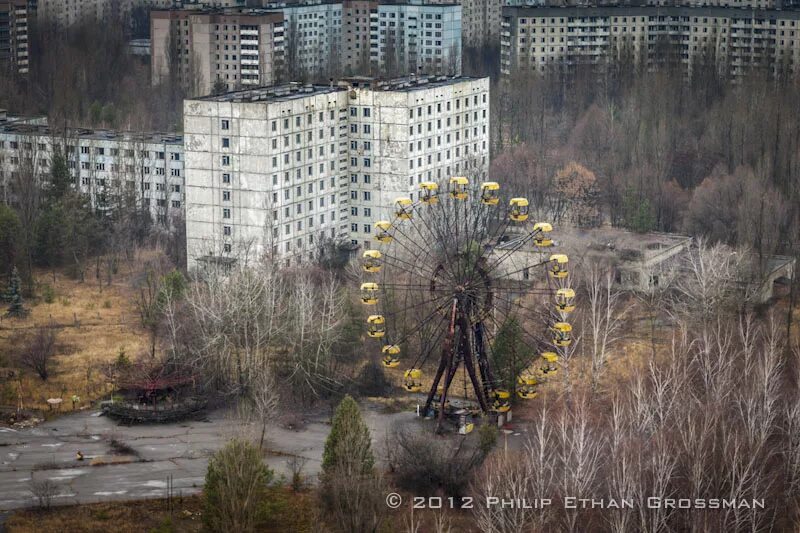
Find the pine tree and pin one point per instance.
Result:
(509, 354)
(14, 296)
(348, 449)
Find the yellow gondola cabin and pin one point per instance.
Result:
(527, 393)
(565, 300)
(558, 266)
(403, 208)
(540, 238)
(382, 228)
(376, 326)
(561, 334)
(458, 187)
(490, 193)
(549, 363)
(372, 261)
(429, 192)
(369, 293)
(413, 377)
(390, 353)
(519, 209)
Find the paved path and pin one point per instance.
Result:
(177, 450)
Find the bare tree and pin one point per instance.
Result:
(36, 351)
(603, 318)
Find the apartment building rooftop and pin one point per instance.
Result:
(654, 10)
(405, 83)
(26, 128)
(272, 93)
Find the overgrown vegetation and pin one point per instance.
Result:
(648, 151)
(236, 489)
(352, 492)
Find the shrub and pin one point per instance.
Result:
(425, 465)
(44, 491)
(48, 294)
(236, 489)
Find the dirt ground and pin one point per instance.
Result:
(94, 324)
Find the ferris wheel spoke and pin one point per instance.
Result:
(406, 266)
(434, 229)
(513, 303)
(523, 335)
(418, 253)
(424, 354)
(523, 269)
(418, 304)
(507, 253)
(422, 323)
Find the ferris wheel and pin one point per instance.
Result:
(451, 271)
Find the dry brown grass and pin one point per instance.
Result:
(290, 511)
(94, 323)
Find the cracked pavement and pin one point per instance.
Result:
(180, 450)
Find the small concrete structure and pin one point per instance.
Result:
(636, 259)
(639, 261)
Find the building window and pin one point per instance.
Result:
(226, 247)
(226, 213)
(226, 196)
(226, 230)
(226, 125)
(226, 178)
(226, 160)
(226, 142)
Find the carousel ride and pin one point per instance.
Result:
(451, 268)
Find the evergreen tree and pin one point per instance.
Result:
(9, 238)
(235, 491)
(14, 296)
(348, 449)
(509, 354)
(61, 182)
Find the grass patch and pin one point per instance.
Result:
(92, 325)
(291, 511)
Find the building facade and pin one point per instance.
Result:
(14, 52)
(108, 166)
(735, 42)
(278, 170)
(208, 49)
(66, 13)
(411, 38)
(406, 131)
(480, 22)
(315, 40)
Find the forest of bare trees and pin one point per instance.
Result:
(85, 76)
(707, 157)
(711, 415)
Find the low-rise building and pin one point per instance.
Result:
(108, 166)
